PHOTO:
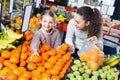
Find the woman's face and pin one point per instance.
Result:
(80, 23)
(47, 22)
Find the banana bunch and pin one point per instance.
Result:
(111, 61)
(7, 38)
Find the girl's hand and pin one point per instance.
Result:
(33, 55)
(93, 39)
(71, 49)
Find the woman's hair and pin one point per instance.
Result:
(95, 18)
(48, 12)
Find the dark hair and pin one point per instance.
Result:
(48, 12)
(95, 18)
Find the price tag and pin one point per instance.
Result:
(80, 3)
(26, 18)
(110, 10)
(0, 14)
(37, 3)
(104, 9)
(11, 6)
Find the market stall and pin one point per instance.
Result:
(51, 64)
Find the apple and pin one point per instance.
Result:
(83, 63)
(110, 77)
(103, 75)
(88, 71)
(1, 66)
(85, 75)
(96, 73)
(74, 67)
(81, 70)
(72, 78)
(76, 62)
(94, 78)
(70, 75)
(87, 79)
(86, 67)
(76, 73)
(79, 77)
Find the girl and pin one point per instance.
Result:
(47, 33)
(86, 24)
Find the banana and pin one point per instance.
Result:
(110, 60)
(114, 63)
(13, 34)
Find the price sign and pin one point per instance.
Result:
(26, 18)
(104, 9)
(11, 6)
(0, 14)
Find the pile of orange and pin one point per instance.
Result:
(34, 22)
(50, 63)
(94, 58)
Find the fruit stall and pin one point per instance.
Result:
(51, 64)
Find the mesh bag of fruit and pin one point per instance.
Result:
(92, 55)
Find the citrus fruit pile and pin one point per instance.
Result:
(49, 64)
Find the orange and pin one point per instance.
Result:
(6, 63)
(23, 56)
(61, 75)
(45, 75)
(95, 50)
(41, 69)
(57, 67)
(36, 73)
(22, 78)
(46, 47)
(27, 33)
(45, 56)
(14, 60)
(60, 51)
(94, 57)
(1, 59)
(11, 76)
(5, 54)
(27, 74)
(7, 70)
(65, 46)
(22, 63)
(94, 66)
(52, 52)
(55, 78)
(17, 72)
(22, 69)
(59, 55)
(42, 50)
(31, 66)
(24, 48)
(84, 56)
(54, 72)
(52, 59)
(12, 66)
(36, 77)
(47, 65)
(37, 58)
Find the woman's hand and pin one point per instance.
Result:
(71, 49)
(93, 39)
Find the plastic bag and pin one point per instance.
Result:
(92, 55)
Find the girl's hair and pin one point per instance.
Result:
(95, 18)
(48, 12)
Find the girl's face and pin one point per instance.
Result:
(47, 23)
(80, 23)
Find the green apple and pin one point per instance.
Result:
(74, 67)
(96, 73)
(110, 77)
(94, 78)
(70, 75)
(86, 67)
(76, 62)
(88, 71)
(81, 70)
(79, 77)
(85, 75)
(103, 75)
(76, 73)
(83, 63)
(72, 78)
